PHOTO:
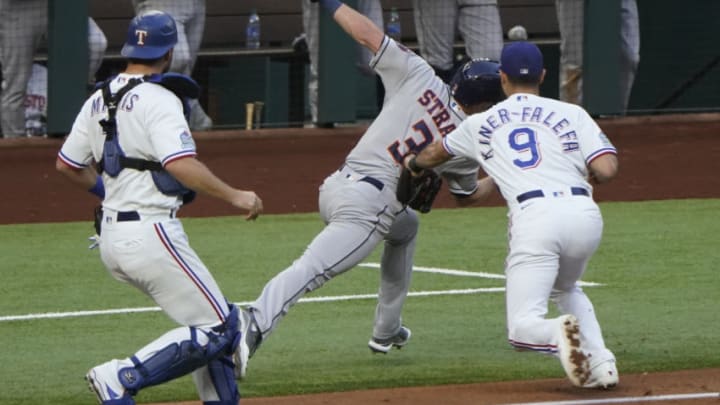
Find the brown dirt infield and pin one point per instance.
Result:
(661, 157)
(633, 387)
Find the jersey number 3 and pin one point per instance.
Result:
(412, 146)
(524, 141)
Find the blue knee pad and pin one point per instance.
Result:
(180, 358)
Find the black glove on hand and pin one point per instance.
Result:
(418, 191)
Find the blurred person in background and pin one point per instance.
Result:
(437, 22)
(23, 27)
(311, 24)
(571, 16)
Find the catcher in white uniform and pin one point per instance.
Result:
(134, 127)
(358, 201)
(542, 154)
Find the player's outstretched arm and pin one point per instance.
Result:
(433, 155)
(358, 26)
(194, 175)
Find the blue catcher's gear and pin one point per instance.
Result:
(150, 35)
(477, 81)
(202, 346)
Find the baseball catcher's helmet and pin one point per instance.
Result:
(150, 35)
(477, 81)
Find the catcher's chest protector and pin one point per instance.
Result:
(114, 159)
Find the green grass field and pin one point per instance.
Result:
(658, 304)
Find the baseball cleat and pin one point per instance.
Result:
(383, 346)
(106, 387)
(250, 339)
(603, 375)
(574, 360)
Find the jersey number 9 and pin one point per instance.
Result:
(524, 141)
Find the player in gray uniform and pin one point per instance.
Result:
(24, 25)
(436, 23)
(189, 16)
(358, 201)
(570, 15)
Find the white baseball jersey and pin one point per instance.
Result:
(528, 143)
(154, 131)
(418, 109)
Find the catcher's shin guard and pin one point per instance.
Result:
(191, 348)
(222, 375)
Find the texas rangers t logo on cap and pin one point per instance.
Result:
(141, 34)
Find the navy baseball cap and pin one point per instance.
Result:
(521, 59)
(150, 35)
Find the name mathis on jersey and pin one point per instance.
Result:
(560, 126)
(127, 104)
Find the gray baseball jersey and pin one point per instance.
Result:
(358, 203)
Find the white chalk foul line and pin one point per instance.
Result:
(75, 314)
(463, 273)
(438, 270)
(624, 400)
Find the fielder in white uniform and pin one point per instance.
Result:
(542, 154)
(24, 25)
(571, 22)
(358, 201)
(142, 242)
(189, 16)
(438, 21)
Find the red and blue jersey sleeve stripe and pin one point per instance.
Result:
(178, 155)
(598, 153)
(71, 162)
